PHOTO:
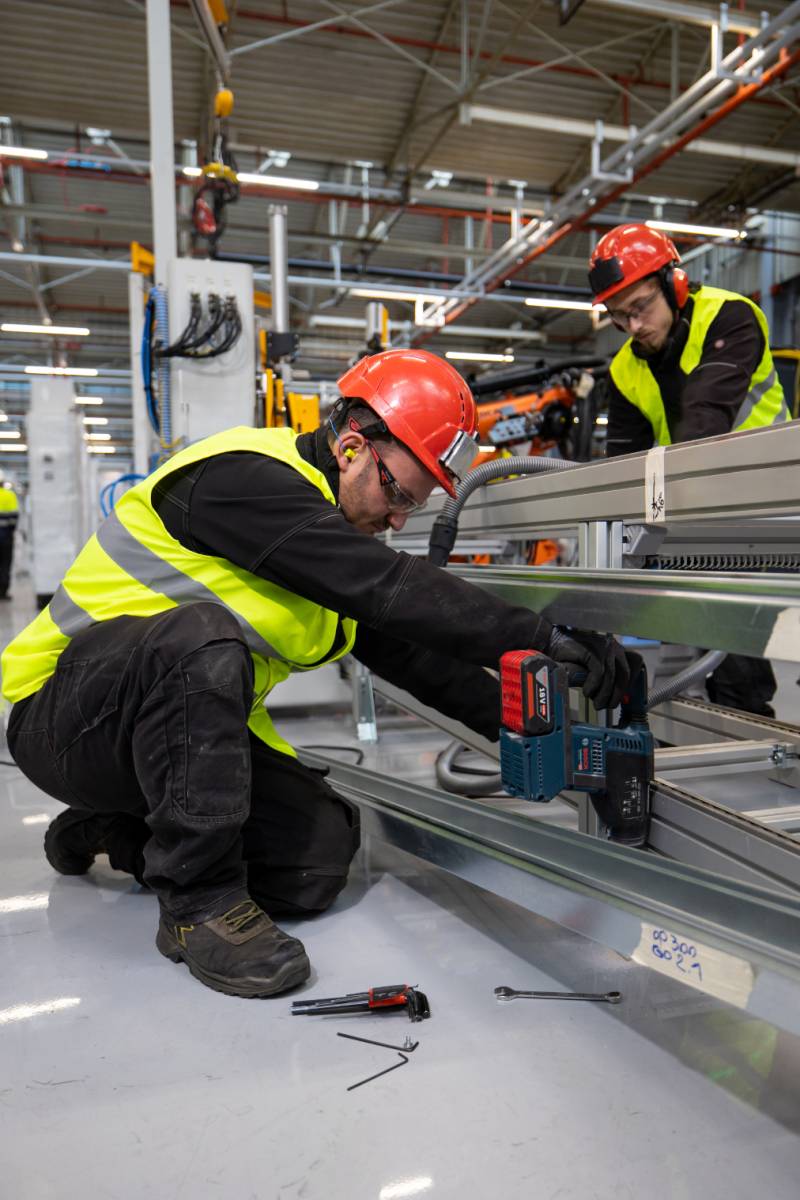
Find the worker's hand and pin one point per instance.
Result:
(600, 656)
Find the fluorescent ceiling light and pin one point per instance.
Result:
(94, 421)
(547, 302)
(384, 294)
(10, 433)
(69, 330)
(21, 152)
(702, 230)
(102, 449)
(20, 1012)
(86, 371)
(97, 437)
(283, 181)
(18, 446)
(475, 356)
(88, 399)
(37, 819)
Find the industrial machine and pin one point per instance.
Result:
(542, 753)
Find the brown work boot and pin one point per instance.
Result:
(241, 952)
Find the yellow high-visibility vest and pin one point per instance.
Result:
(9, 508)
(764, 402)
(132, 566)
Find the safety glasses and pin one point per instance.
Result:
(623, 316)
(398, 500)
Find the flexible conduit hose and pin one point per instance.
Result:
(685, 678)
(164, 396)
(445, 527)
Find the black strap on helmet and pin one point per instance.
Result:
(604, 274)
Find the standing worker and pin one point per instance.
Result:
(9, 514)
(697, 364)
(138, 692)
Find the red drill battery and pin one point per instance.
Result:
(527, 688)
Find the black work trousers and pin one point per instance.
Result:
(746, 684)
(148, 716)
(6, 558)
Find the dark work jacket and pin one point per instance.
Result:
(420, 627)
(704, 403)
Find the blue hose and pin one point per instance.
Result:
(162, 332)
(107, 494)
(147, 364)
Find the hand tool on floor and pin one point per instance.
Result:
(507, 993)
(542, 752)
(376, 999)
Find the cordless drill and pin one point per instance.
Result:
(542, 752)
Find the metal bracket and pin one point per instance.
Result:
(597, 170)
(641, 541)
(363, 703)
(718, 30)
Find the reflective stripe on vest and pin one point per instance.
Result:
(132, 566)
(764, 403)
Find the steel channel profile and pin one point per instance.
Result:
(756, 614)
(604, 892)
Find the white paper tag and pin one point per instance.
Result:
(703, 967)
(655, 492)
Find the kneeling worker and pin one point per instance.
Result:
(697, 364)
(138, 693)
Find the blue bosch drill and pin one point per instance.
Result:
(542, 752)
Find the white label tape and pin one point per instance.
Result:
(702, 967)
(655, 492)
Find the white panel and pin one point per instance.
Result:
(212, 395)
(55, 500)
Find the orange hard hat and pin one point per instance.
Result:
(424, 403)
(627, 254)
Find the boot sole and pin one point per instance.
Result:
(291, 974)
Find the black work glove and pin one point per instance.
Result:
(599, 655)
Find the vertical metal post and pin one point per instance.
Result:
(279, 267)
(465, 63)
(142, 431)
(675, 62)
(185, 194)
(162, 143)
(767, 265)
(336, 247)
(469, 244)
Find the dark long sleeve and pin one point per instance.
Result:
(458, 689)
(264, 516)
(628, 429)
(716, 388)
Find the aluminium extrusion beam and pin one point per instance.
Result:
(686, 722)
(739, 476)
(611, 894)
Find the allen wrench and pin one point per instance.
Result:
(407, 1046)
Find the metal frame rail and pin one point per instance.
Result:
(624, 899)
(735, 494)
